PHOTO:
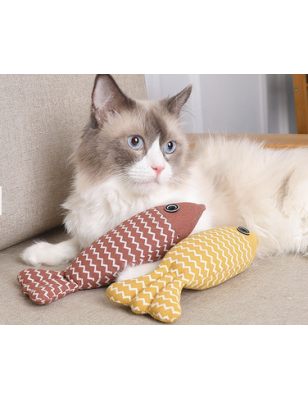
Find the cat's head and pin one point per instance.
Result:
(138, 144)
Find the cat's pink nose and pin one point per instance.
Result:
(158, 169)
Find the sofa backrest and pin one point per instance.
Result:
(40, 118)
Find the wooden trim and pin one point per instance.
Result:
(301, 102)
(274, 140)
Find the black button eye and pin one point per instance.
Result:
(171, 208)
(243, 230)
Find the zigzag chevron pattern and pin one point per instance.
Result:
(134, 242)
(43, 287)
(198, 262)
(144, 238)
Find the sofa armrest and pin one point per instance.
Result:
(40, 118)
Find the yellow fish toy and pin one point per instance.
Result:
(200, 261)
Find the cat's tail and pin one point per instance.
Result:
(157, 294)
(44, 286)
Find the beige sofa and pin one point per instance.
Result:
(40, 118)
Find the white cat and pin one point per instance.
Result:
(134, 156)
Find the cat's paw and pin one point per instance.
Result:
(46, 254)
(40, 254)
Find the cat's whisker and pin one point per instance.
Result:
(188, 110)
(177, 122)
(179, 183)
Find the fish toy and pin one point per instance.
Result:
(200, 261)
(144, 238)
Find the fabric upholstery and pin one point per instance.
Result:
(270, 292)
(40, 118)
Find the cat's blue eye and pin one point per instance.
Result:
(170, 147)
(135, 142)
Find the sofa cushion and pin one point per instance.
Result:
(40, 118)
(270, 292)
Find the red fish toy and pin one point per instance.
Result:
(144, 238)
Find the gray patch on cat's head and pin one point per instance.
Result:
(107, 99)
(104, 151)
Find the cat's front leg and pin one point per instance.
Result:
(136, 272)
(43, 253)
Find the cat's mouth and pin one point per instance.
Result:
(154, 181)
(149, 180)
(149, 185)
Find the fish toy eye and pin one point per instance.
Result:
(135, 142)
(170, 147)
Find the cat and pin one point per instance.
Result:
(133, 155)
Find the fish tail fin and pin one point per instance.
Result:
(126, 291)
(45, 286)
(142, 302)
(166, 305)
(157, 293)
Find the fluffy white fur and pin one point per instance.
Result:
(240, 182)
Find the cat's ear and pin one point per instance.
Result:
(175, 103)
(107, 98)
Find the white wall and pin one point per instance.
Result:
(231, 103)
